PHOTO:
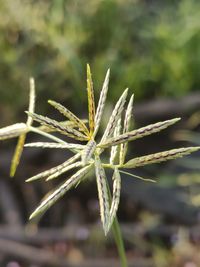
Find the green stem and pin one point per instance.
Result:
(118, 236)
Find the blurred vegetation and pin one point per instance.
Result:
(151, 46)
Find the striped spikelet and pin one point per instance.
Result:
(102, 193)
(68, 114)
(115, 149)
(87, 155)
(54, 170)
(12, 131)
(127, 122)
(66, 130)
(160, 157)
(114, 117)
(115, 196)
(58, 193)
(136, 134)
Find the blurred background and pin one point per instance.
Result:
(152, 47)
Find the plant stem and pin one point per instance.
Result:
(118, 236)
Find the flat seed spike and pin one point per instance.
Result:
(139, 133)
(115, 196)
(54, 169)
(11, 131)
(58, 193)
(55, 145)
(68, 114)
(115, 149)
(58, 126)
(101, 103)
(102, 193)
(31, 100)
(115, 116)
(88, 151)
(160, 157)
(63, 170)
(91, 103)
(127, 122)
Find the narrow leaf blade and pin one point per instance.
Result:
(17, 154)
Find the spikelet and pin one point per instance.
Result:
(11, 131)
(88, 151)
(127, 122)
(64, 169)
(115, 197)
(58, 193)
(160, 157)
(55, 145)
(115, 149)
(31, 101)
(17, 154)
(58, 127)
(114, 117)
(54, 170)
(70, 124)
(73, 118)
(102, 193)
(91, 103)
(101, 103)
(139, 133)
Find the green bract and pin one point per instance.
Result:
(87, 156)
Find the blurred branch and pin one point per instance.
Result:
(44, 257)
(165, 108)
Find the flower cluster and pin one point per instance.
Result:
(87, 156)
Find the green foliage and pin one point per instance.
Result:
(151, 47)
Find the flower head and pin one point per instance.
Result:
(87, 156)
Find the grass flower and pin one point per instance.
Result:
(87, 156)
